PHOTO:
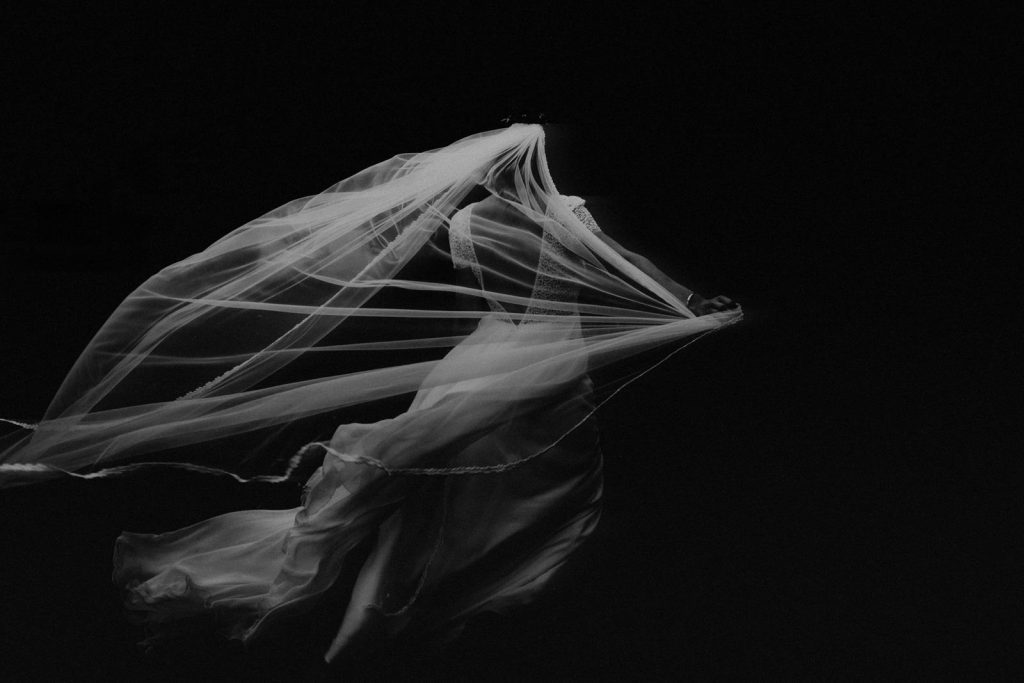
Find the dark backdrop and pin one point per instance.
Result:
(797, 500)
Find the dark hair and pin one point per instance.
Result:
(525, 117)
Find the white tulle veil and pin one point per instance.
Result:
(236, 359)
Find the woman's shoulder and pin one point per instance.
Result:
(492, 206)
(572, 201)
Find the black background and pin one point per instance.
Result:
(793, 497)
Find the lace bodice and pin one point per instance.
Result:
(552, 282)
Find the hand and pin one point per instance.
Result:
(702, 306)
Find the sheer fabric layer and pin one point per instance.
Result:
(332, 302)
(473, 495)
(446, 547)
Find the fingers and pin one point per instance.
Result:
(714, 305)
(722, 303)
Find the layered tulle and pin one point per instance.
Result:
(335, 301)
(446, 547)
(233, 360)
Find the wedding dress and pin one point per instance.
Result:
(473, 496)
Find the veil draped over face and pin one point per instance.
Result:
(236, 358)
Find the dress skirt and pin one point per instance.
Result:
(516, 426)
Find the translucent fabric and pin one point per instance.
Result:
(340, 300)
(260, 352)
(444, 547)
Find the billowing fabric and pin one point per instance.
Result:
(473, 494)
(446, 547)
(335, 301)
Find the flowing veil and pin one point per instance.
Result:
(223, 361)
